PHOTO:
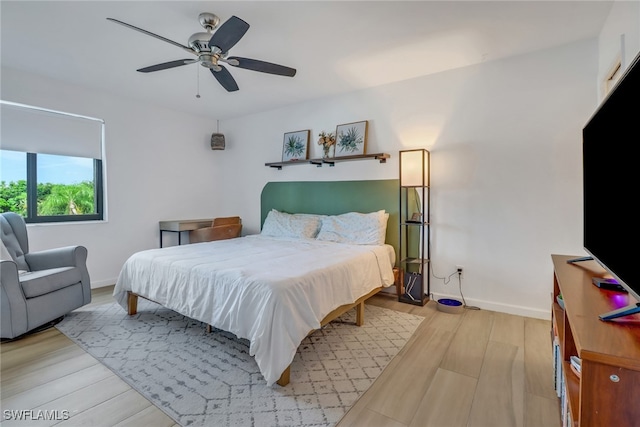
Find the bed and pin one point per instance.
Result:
(272, 288)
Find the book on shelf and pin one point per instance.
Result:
(575, 363)
(564, 408)
(557, 366)
(575, 371)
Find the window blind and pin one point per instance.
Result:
(38, 130)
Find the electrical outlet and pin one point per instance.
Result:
(460, 270)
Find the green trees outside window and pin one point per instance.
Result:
(53, 199)
(39, 200)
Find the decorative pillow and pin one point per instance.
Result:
(281, 224)
(355, 228)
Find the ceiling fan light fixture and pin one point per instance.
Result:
(209, 61)
(200, 42)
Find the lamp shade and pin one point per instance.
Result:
(414, 168)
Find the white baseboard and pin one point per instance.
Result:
(102, 283)
(502, 308)
(485, 305)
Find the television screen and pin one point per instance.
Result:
(611, 182)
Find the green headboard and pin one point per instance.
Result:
(333, 198)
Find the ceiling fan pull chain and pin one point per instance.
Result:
(198, 83)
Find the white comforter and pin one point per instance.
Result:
(271, 291)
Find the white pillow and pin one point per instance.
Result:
(355, 228)
(281, 224)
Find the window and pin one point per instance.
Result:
(51, 167)
(13, 182)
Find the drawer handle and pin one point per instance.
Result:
(614, 378)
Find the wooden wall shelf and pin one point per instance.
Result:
(381, 157)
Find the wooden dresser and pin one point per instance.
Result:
(607, 394)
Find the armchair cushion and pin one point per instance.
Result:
(4, 253)
(37, 283)
(14, 238)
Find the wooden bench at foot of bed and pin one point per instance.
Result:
(132, 308)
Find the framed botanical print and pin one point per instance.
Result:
(351, 139)
(295, 145)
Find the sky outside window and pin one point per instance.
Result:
(51, 168)
(64, 169)
(13, 166)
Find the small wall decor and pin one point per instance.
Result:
(328, 142)
(296, 145)
(351, 139)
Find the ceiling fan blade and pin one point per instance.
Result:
(225, 78)
(229, 33)
(262, 66)
(187, 48)
(165, 65)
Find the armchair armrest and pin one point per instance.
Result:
(13, 304)
(69, 256)
(9, 278)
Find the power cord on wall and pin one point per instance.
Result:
(446, 281)
(464, 303)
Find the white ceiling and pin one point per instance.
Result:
(336, 46)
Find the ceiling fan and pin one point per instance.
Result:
(211, 49)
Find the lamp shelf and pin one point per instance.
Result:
(415, 261)
(414, 223)
(381, 157)
(407, 300)
(414, 211)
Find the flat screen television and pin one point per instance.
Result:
(611, 185)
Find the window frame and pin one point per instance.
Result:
(32, 195)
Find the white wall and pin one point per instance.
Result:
(505, 138)
(505, 142)
(159, 166)
(619, 39)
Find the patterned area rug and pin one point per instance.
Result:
(205, 379)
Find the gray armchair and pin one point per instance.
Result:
(38, 287)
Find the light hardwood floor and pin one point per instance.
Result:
(479, 368)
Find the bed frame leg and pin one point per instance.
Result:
(285, 377)
(132, 303)
(209, 329)
(360, 314)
